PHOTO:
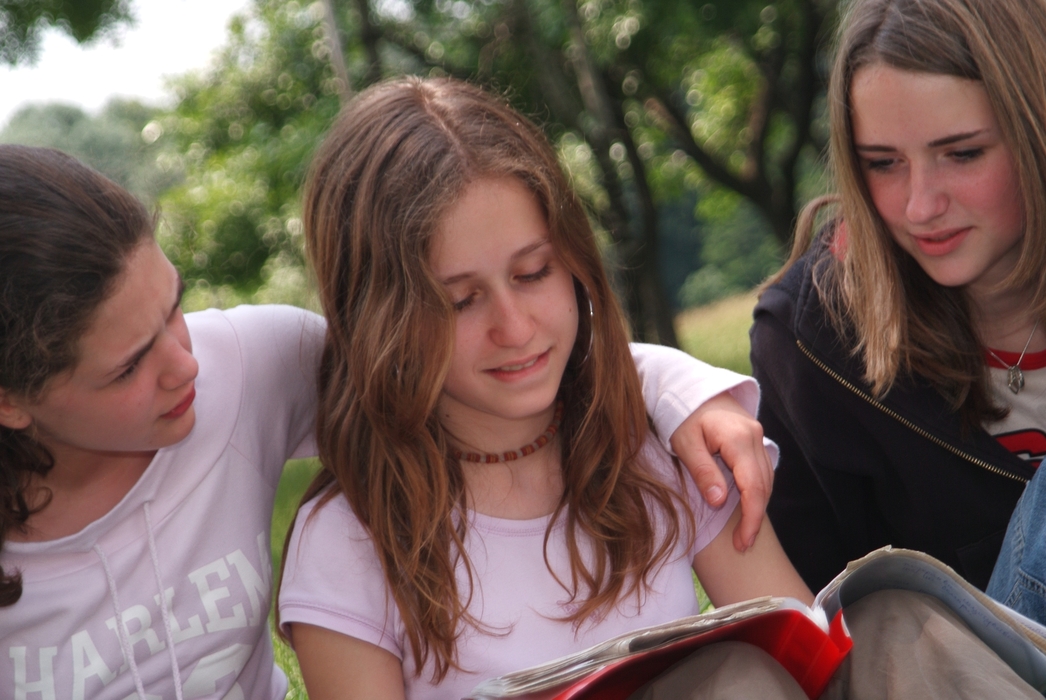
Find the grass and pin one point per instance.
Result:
(717, 334)
(296, 477)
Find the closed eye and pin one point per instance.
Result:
(464, 303)
(536, 276)
(129, 372)
(879, 164)
(967, 154)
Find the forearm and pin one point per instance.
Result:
(729, 576)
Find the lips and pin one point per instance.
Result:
(518, 369)
(940, 242)
(182, 407)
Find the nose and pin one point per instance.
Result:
(511, 321)
(927, 198)
(180, 367)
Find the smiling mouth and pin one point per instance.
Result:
(516, 368)
(939, 237)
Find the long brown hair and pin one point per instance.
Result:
(65, 235)
(900, 319)
(400, 155)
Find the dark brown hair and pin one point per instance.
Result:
(400, 155)
(65, 234)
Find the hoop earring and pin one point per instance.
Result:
(591, 327)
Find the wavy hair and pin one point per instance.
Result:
(399, 156)
(65, 235)
(901, 320)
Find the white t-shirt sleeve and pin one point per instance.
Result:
(676, 384)
(709, 520)
(332, 578)
(280, 347)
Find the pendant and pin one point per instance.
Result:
(1016, 382)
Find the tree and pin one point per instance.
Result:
(22, 22)
(246, 131)
(123, 142)
(650, 103)
(665, 94)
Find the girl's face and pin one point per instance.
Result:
(515, 306)
(939, 173)
(133, 387)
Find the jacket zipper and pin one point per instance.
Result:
(904, 421)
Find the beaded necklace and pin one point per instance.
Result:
(489, 458)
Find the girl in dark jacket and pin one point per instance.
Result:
(902, 354)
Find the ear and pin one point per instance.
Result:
(12, 415)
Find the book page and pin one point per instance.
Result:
(568, 668)
(1019, 645)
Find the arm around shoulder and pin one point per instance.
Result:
(700, 410)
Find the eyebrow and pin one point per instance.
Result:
(140, 352)
(936, 143)
(522, 252)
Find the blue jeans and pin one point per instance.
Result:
(1019, 578)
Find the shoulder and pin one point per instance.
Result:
(708, 520)
(333, 578)
(256, 341)
(248, 321)
(328, 546)
(796, 289)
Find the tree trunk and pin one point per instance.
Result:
(333, 37)
(648, 311)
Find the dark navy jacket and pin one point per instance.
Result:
(858, 473)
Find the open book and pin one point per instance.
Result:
(810, 643)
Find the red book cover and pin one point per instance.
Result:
(809, 654)
(799, 637)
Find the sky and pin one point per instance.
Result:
(169, 37)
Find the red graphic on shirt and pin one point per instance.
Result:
(1029, 445)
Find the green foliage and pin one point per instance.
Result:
(246, 131)
(22, 21)
(123, 142)
(737, 252)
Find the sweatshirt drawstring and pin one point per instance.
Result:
(164, 613)
(121, 626)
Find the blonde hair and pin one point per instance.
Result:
(899, 319)
(399, 156)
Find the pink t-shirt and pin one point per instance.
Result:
(333, 579)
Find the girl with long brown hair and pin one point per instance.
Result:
(902, 352)
(492, 493)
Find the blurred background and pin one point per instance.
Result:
(692, 130)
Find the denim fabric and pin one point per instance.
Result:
(1019, 578)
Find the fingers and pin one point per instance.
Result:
(694, 454)
(722, 426)
(755, 494)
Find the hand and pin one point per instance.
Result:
(721, 425)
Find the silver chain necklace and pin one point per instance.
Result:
(1016, 375)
